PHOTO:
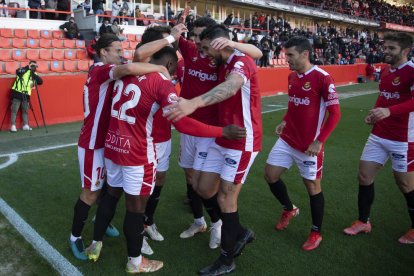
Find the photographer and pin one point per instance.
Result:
(26, 79)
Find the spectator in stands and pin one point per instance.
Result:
(71, 29)
(50, 5)
(116, 7)
(189, 23)
(228, 20)
(90, 49)
(138, 14)
(98, 8)
(87, 6)
(64, 6)
(125, 11)
(3, 12)
(117, 30)
(105, 27)
(34, 4)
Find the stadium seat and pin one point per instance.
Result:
(56, 66)
(58, 54)
(32, 43)
(80, 44)
(133, 45)
(91, 62)
(70, 54)
(45, 43)
(20, 33)
(68, 43)
(5, 43)
(131, 37)
(10, 67)
(57, 43)
(70, 66)
(33, 33)
(46, 34)
(43, 66)
(32, 54)
(6, 33)
(24, 63)
(2, 72)
(19, 54)
(83, 65)
(5, 54)
(58, 34)
(127, 54)
(138, 39)
(18, 43)
(125, 44)
(45, 54)
(81, 54)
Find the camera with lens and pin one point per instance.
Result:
(33, 66)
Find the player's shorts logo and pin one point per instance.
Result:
(396, 81)
(309, 163)
(307, 86)
(230, 161)
(202, 154)
(397, 156)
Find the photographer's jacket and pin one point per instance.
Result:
(22, 86)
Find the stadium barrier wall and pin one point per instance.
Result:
(62, 98)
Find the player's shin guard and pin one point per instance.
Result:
(231, 225)
(152, 205)
(365, 200)
(133, 228)
(409, 197)
(196, 204)
(80, 214)
(212, 208)
(280, 192)
(104, 215)
(317, 204)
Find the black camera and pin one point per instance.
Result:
(33, 66)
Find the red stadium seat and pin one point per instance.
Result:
(5, 43)
(56, 66)
(81, 54)
(18, 43)
(58, 34)
(20, 33)
(70, 66)
(133, 45)
(2, 72)
(32, 43)
(127, 55)
(45, 54)
(131, 37)
(138, 39)
(125, 44)
(45, 43)
(80, 44)
(58, 54)
(43, 66)
(5, 54)
(6, 33)
(57, 43)
(68, 43)
(32, 54)
(19, 54)
(11, 66)
(83, 65)
(70, 54)
(24, 63)
(46, 34)
(33, 33)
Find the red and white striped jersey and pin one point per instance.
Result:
(96, 106)
(310, 95)
(244, 108)
(397, 93)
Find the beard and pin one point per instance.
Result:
(392, 59)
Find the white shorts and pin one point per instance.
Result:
(193, 151)
(283, 155)
(379, 150)
(232, 165)
(92, 168)
(163, 151)
(135, 180)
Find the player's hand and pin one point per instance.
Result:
(176, 111)
(164, 71)
(185, 13)
(221, 43)
(369, 119)
(314, 148)
(280, 127)
(380, 113)
(233, 132)
(152, 25)
(178, 30)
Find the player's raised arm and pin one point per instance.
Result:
(248, 49)
(138, 68)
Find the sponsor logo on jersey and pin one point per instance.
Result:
(299, 101)
(390, 95)
(194, 59)
(230, 161)
(202, 154)
(397, 156)
(202, 76)
(307, 86)
(117, 142)
(396, 81)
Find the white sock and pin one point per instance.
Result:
(135, 260)
(217, 224)
(73, 238)
(200, 221)
(93, 242)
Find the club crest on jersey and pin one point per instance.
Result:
(307, 86)
(239, 64)
(212, 64)
(396, 81)
(97, 184)
(194, 59)
(172, 98)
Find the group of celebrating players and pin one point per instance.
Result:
(126, 137)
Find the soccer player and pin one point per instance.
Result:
(130, 155)
(227, 163)
(302, 132)
(392, 134)
(92, 137)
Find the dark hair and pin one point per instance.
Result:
(204, 22)
(166, 52)
(215, 31)
(404, 40)
(154, 33)
(301, 43)
(105, 41)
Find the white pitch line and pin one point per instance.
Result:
(40, 149)
(50, 254)
(12, 159)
